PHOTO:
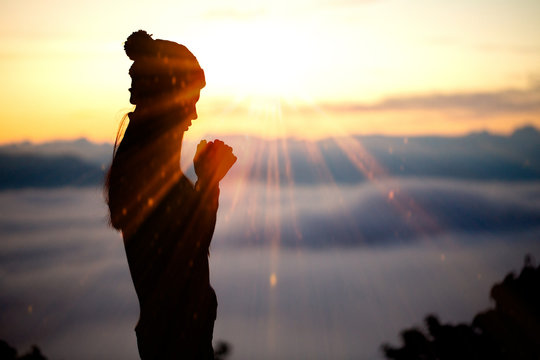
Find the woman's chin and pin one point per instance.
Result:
(186, 125)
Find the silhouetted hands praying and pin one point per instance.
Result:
(212, 161)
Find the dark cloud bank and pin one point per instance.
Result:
(479, 103)
(478, 156)
(416, 210)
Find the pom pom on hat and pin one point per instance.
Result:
(139, 44)
(161, 67)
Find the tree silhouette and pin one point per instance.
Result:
(509, 331)
(9, 353)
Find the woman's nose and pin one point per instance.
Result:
(193, 112)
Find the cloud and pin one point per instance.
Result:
(398, 211)
(32, 170)
(66, 282)
(96, 153)
(507, 48)
(478, 103)
(491, 47)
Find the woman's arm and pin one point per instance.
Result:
(212, 162)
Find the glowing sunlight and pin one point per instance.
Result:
(328, 172)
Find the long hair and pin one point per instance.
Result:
(119, 134)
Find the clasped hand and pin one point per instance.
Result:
(212, 161)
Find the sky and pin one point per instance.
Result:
(295, 68)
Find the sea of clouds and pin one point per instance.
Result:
(301, 271)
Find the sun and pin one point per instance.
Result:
(260, 59)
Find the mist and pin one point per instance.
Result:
(307, 271)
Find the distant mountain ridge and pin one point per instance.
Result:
(478, 156)
(80, 148)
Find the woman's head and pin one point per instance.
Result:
(165, 76)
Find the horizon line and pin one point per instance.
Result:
(290, 137)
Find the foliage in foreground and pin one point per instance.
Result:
(509, 331)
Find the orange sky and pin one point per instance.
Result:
(283, 68)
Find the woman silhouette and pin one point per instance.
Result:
(166, 222)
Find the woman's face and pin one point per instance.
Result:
(163, 93)
(192, 106)
(188, 111)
